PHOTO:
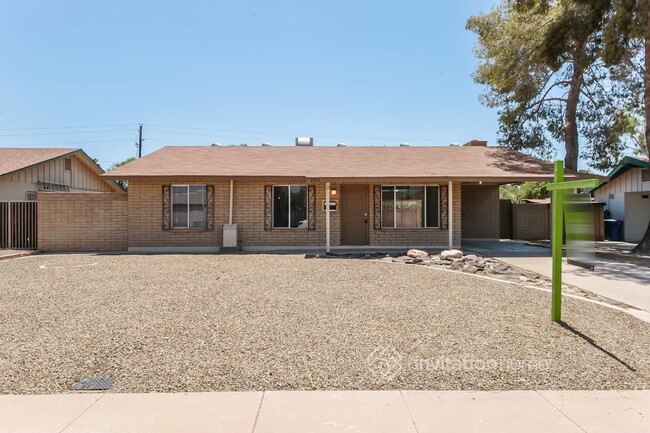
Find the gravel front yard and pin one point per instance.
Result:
(261, 322)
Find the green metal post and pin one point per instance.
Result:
(558, 223)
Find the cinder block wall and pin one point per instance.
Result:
(531, 221)
(92, 221)
(480, 219)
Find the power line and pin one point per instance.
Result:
(68, 127)
(61, 144)
(61, 133)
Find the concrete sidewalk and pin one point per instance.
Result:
(330, 411)
(623, 282)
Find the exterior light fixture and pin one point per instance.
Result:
(333, 191)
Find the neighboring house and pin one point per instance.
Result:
(25, 171)
(268, 197)
(627, 196)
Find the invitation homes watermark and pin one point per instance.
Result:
(385, 363)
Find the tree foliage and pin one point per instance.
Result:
(540, 62)
(624, 28)
(527, 190)
(124, 184)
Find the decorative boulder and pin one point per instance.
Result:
(451, 254)
(470, 258)
(417, 254)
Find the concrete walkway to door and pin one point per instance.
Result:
(330, 411)
(623, 282)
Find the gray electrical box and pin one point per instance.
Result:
(230, 235)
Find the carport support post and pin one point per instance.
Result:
(451, 216)
(327, 217)
(556, 244)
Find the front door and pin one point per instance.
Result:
(354, 215)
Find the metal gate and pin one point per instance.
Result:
(18, 225)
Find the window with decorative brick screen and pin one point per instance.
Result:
(189, 207)
(410, 206)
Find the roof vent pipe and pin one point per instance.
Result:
(341, 145)
(304, 141)
(216, 144)
(403, 145)
(266, 144)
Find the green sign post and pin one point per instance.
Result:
(557, 188)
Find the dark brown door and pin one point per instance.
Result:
(354, 215)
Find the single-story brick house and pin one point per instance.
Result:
(268, 198)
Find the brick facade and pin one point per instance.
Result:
(113, 222)
(480, 217)
(82, 221)
(145, 228)
(420, 237)
(146, 210)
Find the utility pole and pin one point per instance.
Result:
(140, 143)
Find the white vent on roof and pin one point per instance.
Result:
(216, 144)
(266, 144)
(341, 145)
(403, 145)
(304, 141)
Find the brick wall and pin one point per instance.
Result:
(82, 221)
(145, 220)
(531, 221)
(145, 225)
(419, 237)
(480, 219)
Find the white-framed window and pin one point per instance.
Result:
(189, 207)
(290, 206)
(410, 206)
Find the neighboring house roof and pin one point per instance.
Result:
(13, 159)
(626, 164)
(469, 163)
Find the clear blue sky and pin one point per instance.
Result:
(363, 73)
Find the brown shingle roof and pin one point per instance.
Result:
(14, 159)
(466, 163)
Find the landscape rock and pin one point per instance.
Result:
(457, 264)
(470, 258)
(411, 261)
(470, 268)
(500, 268)
(417, 254)
(451, 254)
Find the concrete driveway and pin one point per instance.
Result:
(623, 282)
